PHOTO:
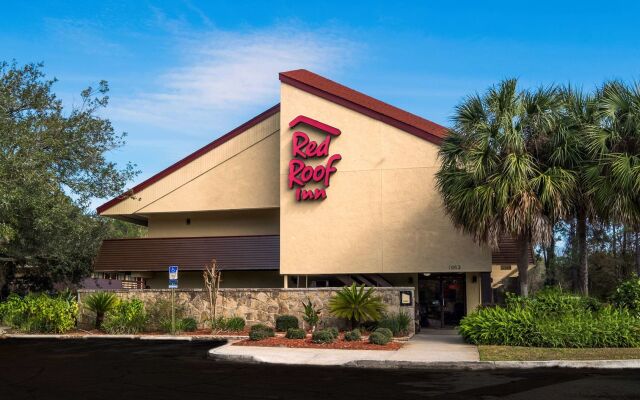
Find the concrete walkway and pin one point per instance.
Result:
(435, 347)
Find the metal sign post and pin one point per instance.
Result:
(173, 285)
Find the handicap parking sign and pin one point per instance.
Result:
(173, 272)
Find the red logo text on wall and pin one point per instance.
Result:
(303, 148)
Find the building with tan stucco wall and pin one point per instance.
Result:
(330, 187)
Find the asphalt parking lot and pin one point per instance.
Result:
(135, 369)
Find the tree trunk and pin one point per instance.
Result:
(583, 267)
(638, 251)
(573, 264)
(614, 242)
(550, 263)
(523, 266)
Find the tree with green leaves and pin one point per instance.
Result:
(52, 163)
(567, 150)
(616, 144)
(493, 178)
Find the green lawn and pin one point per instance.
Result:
(509, 353)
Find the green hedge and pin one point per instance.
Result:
(352, 336)
(379, 338)
(295, 333)
(260, 331)
(39, 313)
(127, 317)
(552, 319)
(323, 336)
(286, 322)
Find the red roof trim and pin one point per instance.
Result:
(225, 138)
(354, 100)
(301, 119)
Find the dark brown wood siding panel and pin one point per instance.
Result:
(507, 254)
(231, 253)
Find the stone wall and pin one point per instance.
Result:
(254, 305)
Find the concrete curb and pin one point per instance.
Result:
(496, 365)
(107, 337)
(214, 354)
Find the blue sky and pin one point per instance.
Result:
(183, 73)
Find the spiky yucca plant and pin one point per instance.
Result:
(357, 304)
(101, 303)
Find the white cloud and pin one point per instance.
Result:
(221, 74)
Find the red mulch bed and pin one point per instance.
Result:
(198, 332)
(340, 344)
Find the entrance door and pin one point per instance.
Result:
(442, 300)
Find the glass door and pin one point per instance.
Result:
(442, 300)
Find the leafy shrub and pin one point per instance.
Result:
(379, 338)
(295, 333)
(159, 315)
(188, 324)
(311, 315)
(385, 331)
(334, 332)
(127, 317)
(258, 327)
(627, 295)
(233, 324)
(352, 336)
(101, 303)
(398, 323)
(39, 313)
(357, 304)
(553, 320)
(497, 325)
(284, 322)
(258, 335)
(553, 301)
(262, 331)
(259, 332)
(322, 336)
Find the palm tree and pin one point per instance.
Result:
(101, 303)
(568, 150)
(616, 178)
(491, 180)
(356, 304)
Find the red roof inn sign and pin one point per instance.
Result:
(303, 148)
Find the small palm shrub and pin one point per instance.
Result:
(398, 323)
(284, 322)
(39, 313)
(295, 333)
(627, 295)
(259, 332)
(311, 315)
(352, 336)
(322, 336)
(127, 317)
(379, 338)
(356, 304)
(101, 303)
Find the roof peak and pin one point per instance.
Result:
(360, 102)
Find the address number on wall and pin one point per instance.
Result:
(455, 267)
